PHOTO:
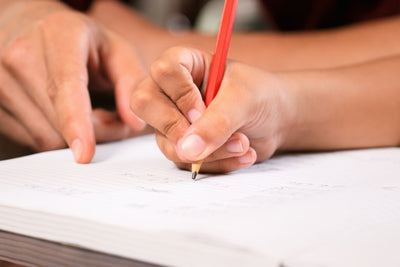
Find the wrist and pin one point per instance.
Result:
(316, 110)
(292, 127)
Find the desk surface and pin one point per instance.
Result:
(30, 251)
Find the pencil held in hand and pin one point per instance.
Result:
(195, 169)
(218, 62)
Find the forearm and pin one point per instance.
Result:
(319, 49)
(344, 108)
(271, 51)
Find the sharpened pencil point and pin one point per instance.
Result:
(195, 169)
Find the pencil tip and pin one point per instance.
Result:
(194, 175)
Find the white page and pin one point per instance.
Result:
(321, 209)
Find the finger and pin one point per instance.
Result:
(225, 165)
(29, 70)
(125, 70)
(11, 128)
(265, 147)
(166, 147)
(236, 146)
(29, 116)
(67, 55)
(108, 127)
(224, 116)
(164, 115)
(179, 72)
(147, 130)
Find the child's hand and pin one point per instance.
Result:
(245, 123)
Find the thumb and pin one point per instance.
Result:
(223, 117)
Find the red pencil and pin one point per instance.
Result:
(219, 59)
(221, 50)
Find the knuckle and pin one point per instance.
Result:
(77, 25)
(168, 151)
(64, 84)
(16, 53)
(177, 53)
(170, 127)
(51, 90)
(140, 100)
(46, 143)
(184, 96)
(68, 18)
(161, 69)
(167, 148)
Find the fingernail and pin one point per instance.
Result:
(142, 122)
(138, 125)
(246, 159)
(76, 148)
(234, 146)
(139, 119)
(193, 115)
(192, 146)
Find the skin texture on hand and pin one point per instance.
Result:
(350, 107)
(257, 113)
(242, 125)
(50, 56)
(321, 90)
(52, 59)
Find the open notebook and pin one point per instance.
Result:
(317, 209)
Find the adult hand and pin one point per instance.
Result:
(50, 54)
(245, 123)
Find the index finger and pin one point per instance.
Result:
(66, 61)
(152, 105)
(180, 72)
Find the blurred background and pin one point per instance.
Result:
(201, 15)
